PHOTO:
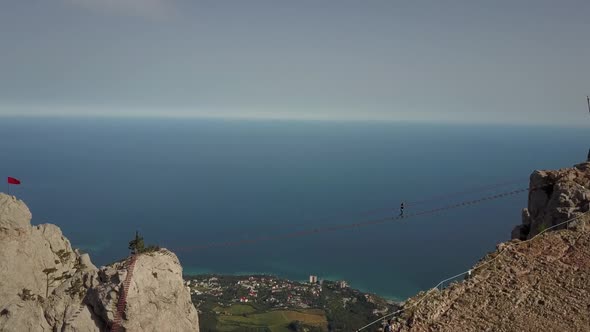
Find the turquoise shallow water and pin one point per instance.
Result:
(186, 183)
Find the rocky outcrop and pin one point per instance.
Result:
(156, 300)
(555, 197)
(45, 285)
(539, 284)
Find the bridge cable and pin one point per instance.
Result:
(338, 227)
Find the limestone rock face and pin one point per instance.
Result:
(14, 215)
(25, 251)
(556, 196)
(539, 286)
(157, 299)
(45, 285)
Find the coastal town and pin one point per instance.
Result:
(222, 299)
(276, 293)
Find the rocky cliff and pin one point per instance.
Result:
(532, 283)
(45, 285)
(555, 196)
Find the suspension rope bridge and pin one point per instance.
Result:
(344, 226)
(370, 213)
(465, 192)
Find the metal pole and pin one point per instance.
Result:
(588, 102)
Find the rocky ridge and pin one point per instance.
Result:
(45, 285)
(556, 197)
(541, 284)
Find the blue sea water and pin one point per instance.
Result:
(188, 183)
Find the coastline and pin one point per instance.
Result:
(207, 273)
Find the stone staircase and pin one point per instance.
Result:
(169, 253)
(75, 315)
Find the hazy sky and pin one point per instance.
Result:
(512, 61)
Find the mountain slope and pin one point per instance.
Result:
(542, 284)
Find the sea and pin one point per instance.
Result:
(288, 198)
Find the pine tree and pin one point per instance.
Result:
(47, 272)
(136, 245)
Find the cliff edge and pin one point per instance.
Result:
(555, 196)
(45, 285)
(532, 283)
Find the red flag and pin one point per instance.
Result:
(13, 181)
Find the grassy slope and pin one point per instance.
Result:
(275, 320)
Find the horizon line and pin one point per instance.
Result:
(292, 119)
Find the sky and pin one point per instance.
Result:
(502, 61)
